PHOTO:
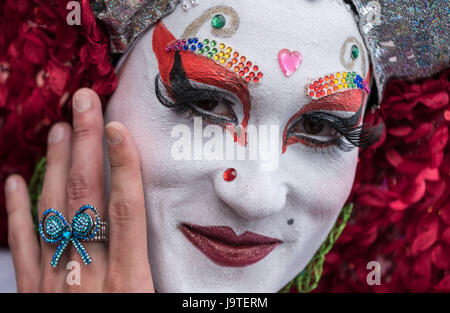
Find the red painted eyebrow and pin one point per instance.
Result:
(347, 101)
(197, 67)
(200, 69)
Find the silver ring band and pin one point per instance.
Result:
(102, 233)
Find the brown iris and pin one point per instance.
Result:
(307, 126)
(312, 128)
(207, 105)
(216, 107)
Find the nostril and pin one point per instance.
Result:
(230, 174)
(252, 196)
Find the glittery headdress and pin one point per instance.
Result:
(406, 39)
(126, 19)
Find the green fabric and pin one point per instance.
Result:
(309, 278)
(35, 188)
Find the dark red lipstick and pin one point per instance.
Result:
(222, 246)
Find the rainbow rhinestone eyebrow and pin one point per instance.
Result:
(337, 82)
(221, 54)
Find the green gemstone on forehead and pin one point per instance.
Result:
(355, 52)
(218, 21)
(214, 50)
(201, 51)
(206, 48)
(213, 43)
(210, 54)
(206, 41)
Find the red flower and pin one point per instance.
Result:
(444, 284)
(43, 61)
(426, 233)
(440, 256)
(446, 236)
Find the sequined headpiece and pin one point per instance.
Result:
(406, 39)
(126, 19)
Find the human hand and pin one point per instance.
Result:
(75, 176)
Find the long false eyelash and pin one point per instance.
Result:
(361, 136)
(329, 148)
(327, 151)
(181, 94)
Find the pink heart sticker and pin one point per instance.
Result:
(289, 61)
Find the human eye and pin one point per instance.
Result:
(215, 108)
(314, 131)
(319, 130)
(213, 105)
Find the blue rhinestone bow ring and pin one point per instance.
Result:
(54, 228)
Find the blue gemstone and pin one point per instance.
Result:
(193, 48)
(53, 227)
(82, 224)
(190, 41)
(185, 47)
(195, 40)
(67, 233)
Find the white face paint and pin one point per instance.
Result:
(309, 186)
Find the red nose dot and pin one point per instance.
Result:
(229, 174)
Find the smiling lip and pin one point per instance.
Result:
(222, 246)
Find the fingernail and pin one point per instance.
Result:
(82, 101)
(11, 184)
(113, 133)
(56, 134)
